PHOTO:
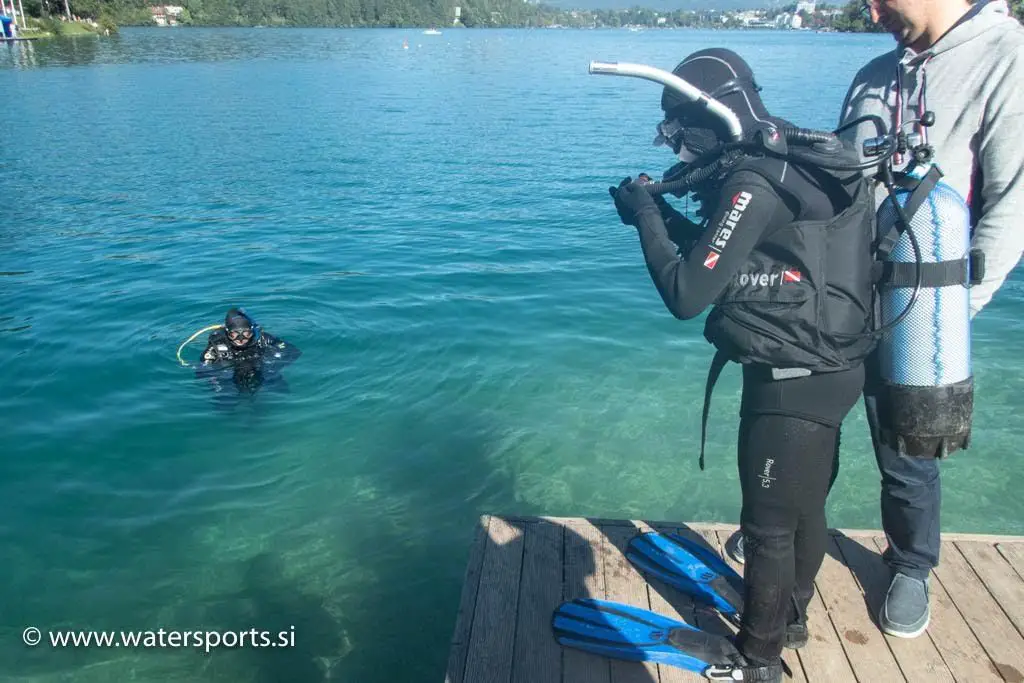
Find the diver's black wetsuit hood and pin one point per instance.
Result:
(727, 78)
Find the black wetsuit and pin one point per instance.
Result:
(789, 429)
(250, 365)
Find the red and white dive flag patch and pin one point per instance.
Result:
(791, 276)
(710, 260)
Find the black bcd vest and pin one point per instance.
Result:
(803, 301)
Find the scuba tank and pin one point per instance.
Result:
(927, 397)
(924, 269)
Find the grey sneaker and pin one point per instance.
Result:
(906, 612)
(734, 546)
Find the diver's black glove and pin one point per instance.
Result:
(631, 200)
(659, 200)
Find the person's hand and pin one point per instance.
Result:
(631, 199)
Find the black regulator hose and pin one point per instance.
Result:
(874, 162)
(874, 118)
(695, 177)
(806, 136)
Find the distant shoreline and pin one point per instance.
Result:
(798, 15)
(423, 28)
(39, 29)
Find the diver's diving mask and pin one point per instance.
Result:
(670, 133)
(687, 143)
(243, 333)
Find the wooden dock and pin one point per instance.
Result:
(521, 569)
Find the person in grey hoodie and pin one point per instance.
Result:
(965, 63)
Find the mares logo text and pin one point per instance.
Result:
(740, 202)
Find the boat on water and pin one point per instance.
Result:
(431, 32)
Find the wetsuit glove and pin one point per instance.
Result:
(631, 200)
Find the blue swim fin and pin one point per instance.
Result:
(692, 568)
(624, 632)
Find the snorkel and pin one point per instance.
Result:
(689, 92)
(674, 182)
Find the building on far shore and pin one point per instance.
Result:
(166, 15)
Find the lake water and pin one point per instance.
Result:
(431, 227)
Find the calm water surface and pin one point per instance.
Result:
(431, 227)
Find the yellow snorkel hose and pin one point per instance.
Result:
(186, 342)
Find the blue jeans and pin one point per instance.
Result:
(911, 495)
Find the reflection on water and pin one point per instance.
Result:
(139, 45)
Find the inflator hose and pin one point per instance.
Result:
(186, 342)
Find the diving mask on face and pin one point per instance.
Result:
(670, 134)
(244, 333)
(687, 143)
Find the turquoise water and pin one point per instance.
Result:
(431, 227)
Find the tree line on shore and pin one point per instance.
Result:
(437, 13)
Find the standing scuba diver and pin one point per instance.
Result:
(247, 350)
(784, 256)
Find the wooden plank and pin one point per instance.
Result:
(961, 651)
(490, 647)
(918, 658)
(990, 625)
(823, 658)
(467, 604)
(626, 585)
(584, 578)
(1014, 554)
(999, 577)
(537, 657)
(866, 650)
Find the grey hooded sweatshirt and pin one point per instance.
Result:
(972, 78)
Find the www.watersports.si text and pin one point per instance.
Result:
(205, 640)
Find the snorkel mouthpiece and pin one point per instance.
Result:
(670, 80)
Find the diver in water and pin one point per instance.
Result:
(783, 254)
(252, 355)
